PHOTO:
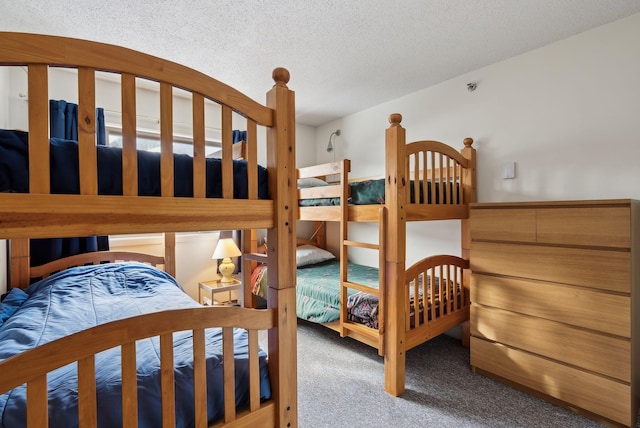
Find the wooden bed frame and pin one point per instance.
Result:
(404, 165)
(40, 214)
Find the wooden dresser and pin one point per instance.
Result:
(555, 305)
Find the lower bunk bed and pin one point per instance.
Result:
(436, 310)
(89, 307)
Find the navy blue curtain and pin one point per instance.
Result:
(239, 136)
(63, 123)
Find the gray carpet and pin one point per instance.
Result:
(341, 384)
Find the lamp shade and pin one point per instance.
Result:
(226, 248)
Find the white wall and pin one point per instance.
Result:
(567, 114)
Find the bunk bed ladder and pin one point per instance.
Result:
(345, 325)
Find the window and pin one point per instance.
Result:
(151, 142)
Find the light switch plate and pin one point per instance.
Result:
(508, 170)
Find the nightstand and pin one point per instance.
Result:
(208, 289)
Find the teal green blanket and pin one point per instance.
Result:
(318, 288)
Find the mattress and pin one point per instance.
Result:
(14, 172)
(82, 297)
(318, 290)
(371, 192)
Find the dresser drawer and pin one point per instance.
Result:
(594, 310)
(581, 348)
(594, 226)
(598, 394)
(593, 268)
(503, 224)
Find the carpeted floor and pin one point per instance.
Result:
(340, 384)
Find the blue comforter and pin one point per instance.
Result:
(14, 171)
(82, 297)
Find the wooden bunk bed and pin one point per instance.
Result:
(39, 213)
(443, 179)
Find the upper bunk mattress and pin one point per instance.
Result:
(371, 192)
(14, 170)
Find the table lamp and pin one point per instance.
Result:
(225, 249)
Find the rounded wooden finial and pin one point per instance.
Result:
(468, 142)
(395, 119)
(281, 76)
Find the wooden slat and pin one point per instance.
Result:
(227, 154)
(170, 253)
(166, 139)
(199, 155)
(167, 381)
(39, 179)
(129, 386)
(129, 146)
(87, 402)
(254, 368)
(200, 379)
(228, 366)
(252, 158)
(75, 215)
(88, 164)
(37, 404)
(20, 263)
(320, 171)
(96, 257)
(382, 278)
(320, 192)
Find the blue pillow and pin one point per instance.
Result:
(12, 301)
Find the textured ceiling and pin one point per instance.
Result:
(344, 55)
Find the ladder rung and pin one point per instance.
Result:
(361, 287)
(255, 257)
(361, 244)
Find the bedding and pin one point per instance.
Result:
(14, 172)
(82, 297)
(310, 255)
(318, 288)
(318, 294)
(371, 192)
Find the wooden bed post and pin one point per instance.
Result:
(20, 262)
(170, 253)
(468, 193)
(281, 241)
(469, 196)
(395, 191)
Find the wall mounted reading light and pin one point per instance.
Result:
(330, 145)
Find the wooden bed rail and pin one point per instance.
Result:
(88, 58)
(442, 281)
(82, 347)
(46, 270)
